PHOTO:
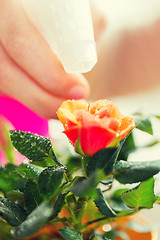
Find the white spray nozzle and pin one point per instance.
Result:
(67, 27)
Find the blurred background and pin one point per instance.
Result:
(128, 68)
(128, 51)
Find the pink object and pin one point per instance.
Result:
(21, 117)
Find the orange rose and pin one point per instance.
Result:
(96, 125)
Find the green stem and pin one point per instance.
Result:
(73, 217)
(66, 177)
(63, 220)
(68, 185)
(99, 220)
(82, 209)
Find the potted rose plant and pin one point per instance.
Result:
(57, 195)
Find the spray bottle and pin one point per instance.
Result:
(67, 27)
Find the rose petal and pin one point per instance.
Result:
(105, 108)
(96, 125)
(66, 118)
(110, 123)
(126, 125)
(94, 138)
(72, 134)
(67, 109)
(85, 118)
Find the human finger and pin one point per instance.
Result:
(29, 50)
(18, 84)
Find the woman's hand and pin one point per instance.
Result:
(29, 70)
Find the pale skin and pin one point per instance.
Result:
(29, 70)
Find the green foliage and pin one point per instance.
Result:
(50, 180)
(116, 195)
(10, 180)
(99, 237)
(58, 204)
(29, 171)
(13, 213)
(5, 231)
(103, 206)
(32, 197)
(5, 142)
(141, 196)
(86, 187)
(15, 196)
(127, 148)
(70, 234)
(104, 159)
(111, 235)
(132, 172)
(33, 222)
(144, 124)
(73, 163)
(45, 191)
(107, 181)
(117, 204)
(33, 146)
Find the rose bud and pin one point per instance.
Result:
(94, 125)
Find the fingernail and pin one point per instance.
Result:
(77, 92)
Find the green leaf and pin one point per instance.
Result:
(132, 172)
(144, 125)
(33, 146)
(103, 206)
(34, 222)
(73, 163)
(32, 196)
(29, 171)
(152, 143)
(141, 196)
(86, 187)
(99, 237)
(111, 235)
(58, 204)
(158, 199)
(5, 231)
(70, 234)
(157, 116)
(50, 180)
(127, 148)
(121, 209)
(117, 204)
(15, 196)
(13, 213)
(117, 194)
(107, 181)
(9, 180)
(102, 160)
(5, 141)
